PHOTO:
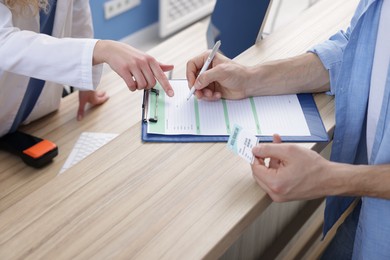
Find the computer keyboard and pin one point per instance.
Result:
(87, 143)
(180, 8)
(176, 14)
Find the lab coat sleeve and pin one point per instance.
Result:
(331, 51)
(65, 61)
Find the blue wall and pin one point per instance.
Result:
(124, 24)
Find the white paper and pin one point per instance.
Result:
(266, 115)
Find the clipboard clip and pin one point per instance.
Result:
(145, 106)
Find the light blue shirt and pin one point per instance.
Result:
(349, 58)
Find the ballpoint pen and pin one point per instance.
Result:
(206, 65)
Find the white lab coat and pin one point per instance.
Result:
(64, 59)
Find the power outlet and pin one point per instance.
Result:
(114, 7)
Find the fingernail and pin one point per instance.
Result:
(170, 93)
(197, 85)
(79, 117)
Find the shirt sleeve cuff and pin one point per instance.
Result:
(330, 53)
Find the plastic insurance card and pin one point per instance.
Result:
(241, 143)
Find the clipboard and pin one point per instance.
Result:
(309, 108)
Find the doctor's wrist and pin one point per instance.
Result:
(100, 52)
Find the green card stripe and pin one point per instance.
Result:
(254, 111)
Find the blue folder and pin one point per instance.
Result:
(313, 118)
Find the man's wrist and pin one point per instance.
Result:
(336, 181)
(351, 180)
(256, 81)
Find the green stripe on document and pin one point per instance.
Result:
(225, 112)
(197, 116)
(255, 115)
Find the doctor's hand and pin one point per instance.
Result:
(94, 98)
(137, 69)
(224, 78)
(294, 172)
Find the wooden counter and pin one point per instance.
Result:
(145, 200)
